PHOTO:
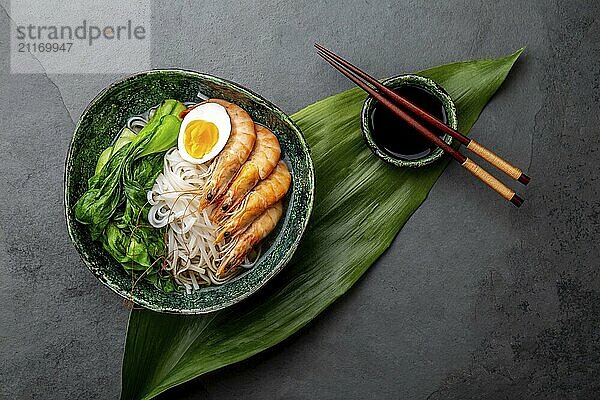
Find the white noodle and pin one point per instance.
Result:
(175, 200)
(192, 255)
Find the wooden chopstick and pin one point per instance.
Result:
(503, 190)
(475, 147)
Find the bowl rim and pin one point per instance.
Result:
(431, 86)
(289, 252)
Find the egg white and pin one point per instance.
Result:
(211, 112)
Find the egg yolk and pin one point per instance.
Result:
(200, 137)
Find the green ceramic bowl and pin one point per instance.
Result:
(101, 122)
(432, 88)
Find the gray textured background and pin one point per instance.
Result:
(475, 299)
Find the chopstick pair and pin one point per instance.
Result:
(393, 102)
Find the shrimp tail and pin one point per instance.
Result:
(235, 153)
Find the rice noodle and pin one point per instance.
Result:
(192, 256)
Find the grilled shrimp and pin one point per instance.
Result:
(259, 165)
(263, 196)
(234, 154)
(256, 232)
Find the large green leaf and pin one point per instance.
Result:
(361, 204)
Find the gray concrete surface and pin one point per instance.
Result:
(475, 299)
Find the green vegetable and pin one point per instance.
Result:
(124, 138)
(134, 247)
(165, 137)
(114, 206)
(100, 201)
(361, 204)
(137, 184)
(103, 159)
(105, 193)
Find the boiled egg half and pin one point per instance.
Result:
(204, 132)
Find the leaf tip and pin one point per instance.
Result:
(517, 53)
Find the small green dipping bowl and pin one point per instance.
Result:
(431, 87)
(102, 121)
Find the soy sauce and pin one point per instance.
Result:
(396, 137)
